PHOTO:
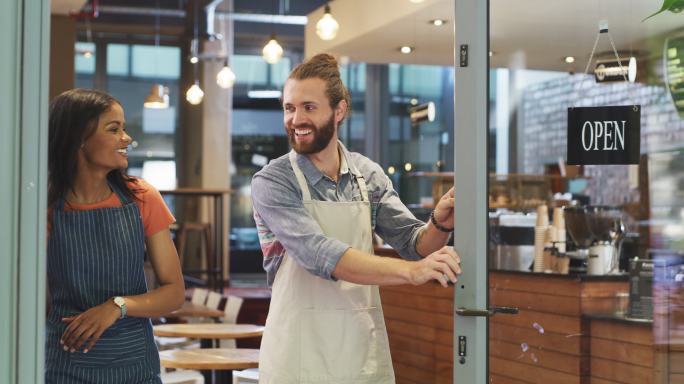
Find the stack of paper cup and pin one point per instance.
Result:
(559, 224)
(540, 230)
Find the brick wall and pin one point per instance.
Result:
(543, 122)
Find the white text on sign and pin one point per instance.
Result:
(603, 135)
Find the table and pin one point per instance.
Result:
(190, 309)
(223, 360)
(210, 358)
(209, 330)
(217, 196)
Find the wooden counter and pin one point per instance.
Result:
(547, 342)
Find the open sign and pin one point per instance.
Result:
(604, 135)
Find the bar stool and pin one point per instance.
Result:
(204, 231)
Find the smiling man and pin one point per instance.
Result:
(316, 209)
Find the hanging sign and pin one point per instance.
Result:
(604, 135)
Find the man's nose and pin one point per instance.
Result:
(297, 118)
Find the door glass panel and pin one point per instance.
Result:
(592, 255)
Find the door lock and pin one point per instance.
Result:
(493, 310)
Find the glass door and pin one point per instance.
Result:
(578, 149)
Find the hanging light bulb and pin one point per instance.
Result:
(226, 77)
(158, 98)
(194, 95)
(272, 51)
(327, 26)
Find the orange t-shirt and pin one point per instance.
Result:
(155, 214)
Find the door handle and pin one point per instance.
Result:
(493, 310)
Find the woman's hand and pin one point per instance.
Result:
(89, 325)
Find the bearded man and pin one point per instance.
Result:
(316, 209)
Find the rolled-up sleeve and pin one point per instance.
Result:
(280, 207)
(395, 224)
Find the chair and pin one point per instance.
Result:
(182, 377)
(250, 375)
(230, 314)
(200, 296)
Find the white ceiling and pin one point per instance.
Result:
(64, 7)
(534, 34)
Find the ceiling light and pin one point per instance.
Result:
(569, 59)
(423, 112)
(158, 98)
(408, 167)
(491, 53)
(194, 95)
(327, 26)
(606, 71)
(416, 1)
(272, 51)
(438, 22)
(406, 49)
(194, 59)
(391, 170)
(226, 77)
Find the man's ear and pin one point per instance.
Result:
(340, 111)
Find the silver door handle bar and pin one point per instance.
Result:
(486, 312)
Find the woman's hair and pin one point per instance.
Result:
(74, 117)
(324, 66)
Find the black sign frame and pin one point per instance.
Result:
(604, 135)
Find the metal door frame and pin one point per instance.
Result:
(471, 78)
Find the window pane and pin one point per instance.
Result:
(157, 62)
(117, 59)
(85, 58)
(280, 71)
(250, 70)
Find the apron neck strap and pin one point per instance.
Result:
(352, 168)
(306, 195)
(59, 205)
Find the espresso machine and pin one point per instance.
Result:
(597, 232)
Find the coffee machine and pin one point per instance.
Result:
(597, 232)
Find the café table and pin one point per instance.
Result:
(190, 309)
(212, 331)
(221, 360)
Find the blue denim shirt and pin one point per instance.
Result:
(284, 224)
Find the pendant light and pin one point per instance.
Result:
(158, 98)
(195, 94)
(272, 51)
(226, 77)
(327, 26)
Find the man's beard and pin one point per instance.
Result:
(321, 137)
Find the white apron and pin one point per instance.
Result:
(321, 331)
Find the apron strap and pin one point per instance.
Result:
(357, 175)
(306, 195)
(124, 200)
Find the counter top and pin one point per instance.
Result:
(573, 276)
(620, 318)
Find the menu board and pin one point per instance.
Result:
(674, 71)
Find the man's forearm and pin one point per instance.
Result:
(430, 239)
(362, 268)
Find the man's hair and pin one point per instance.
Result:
(324, 66)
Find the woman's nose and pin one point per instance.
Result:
(127, 138)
